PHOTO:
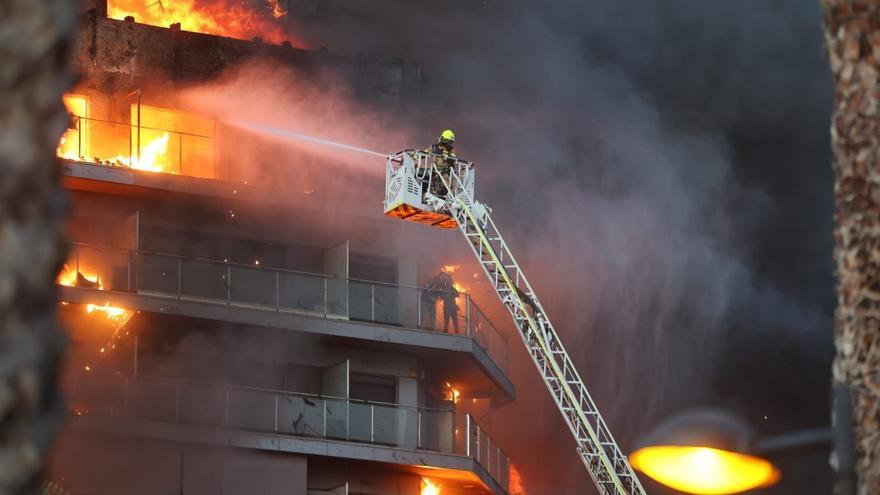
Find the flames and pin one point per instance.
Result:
(451, 393)
(450, 269)
(516, 483)
(233, 19)
(462, 290)
(153, 158)
(71, 277)
(277, 10)
(168, 139)
(75, 143)
(71, 144)
(429, 488)
(117, 315)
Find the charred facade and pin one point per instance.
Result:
(216, 351)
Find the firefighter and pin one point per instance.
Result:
(444, 159)
(444, 288)
(450, 306)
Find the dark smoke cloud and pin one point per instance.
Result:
(661, 170)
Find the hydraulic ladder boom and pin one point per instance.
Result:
(598, 450)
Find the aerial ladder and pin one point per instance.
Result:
(415, 190)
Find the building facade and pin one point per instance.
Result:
(227, 337)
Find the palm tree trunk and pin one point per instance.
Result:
(852, 36)
(35, 45)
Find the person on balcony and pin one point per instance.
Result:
(450, 307)
(443, 286)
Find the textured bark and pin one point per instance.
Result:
(852, 36)
(35, 42)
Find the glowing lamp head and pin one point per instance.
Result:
(704, 470)
(704, 452)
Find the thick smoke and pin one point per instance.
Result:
(661, 172)
(315, 176)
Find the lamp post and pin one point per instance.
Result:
(713, 452)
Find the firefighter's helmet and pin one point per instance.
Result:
(447, 136)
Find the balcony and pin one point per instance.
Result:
(255, 295)
(101, 400)
(141, 147)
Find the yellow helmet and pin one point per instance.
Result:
(447, 136)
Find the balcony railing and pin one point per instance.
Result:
(288, 413)
(486, 452)
(119, 144)
(282, 291)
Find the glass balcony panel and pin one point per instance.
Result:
(407, 306)
(360, 422)
(487, 336)
(203, 280)
(337, 418)
(395, 305)
(437, 431)
(157, 274)
(251, 410)
(360, 300)
(388, 424)
(301, 415)
(407, 423)
(107, 143)
(202, 405)
(337, 297)
(252, 286)
(197, 156)
(301, 293)
(152, 400)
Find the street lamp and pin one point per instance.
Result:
(713, 452)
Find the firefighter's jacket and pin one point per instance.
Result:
(444, 157)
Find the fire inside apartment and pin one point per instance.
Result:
(214, 350)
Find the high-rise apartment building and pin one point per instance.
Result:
(226, 339)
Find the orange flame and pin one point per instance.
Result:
(450, 268)
(450, 393)
(277, 10)
(223, 18)
(429, 488)
(462, 294)
(118, 316)
(154, 156)
(462, 290)
(71, 145)
(192, 140)
(70, 277)
(516, 483)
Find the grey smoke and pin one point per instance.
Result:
(661, 170)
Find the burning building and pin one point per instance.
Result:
(215, 350)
